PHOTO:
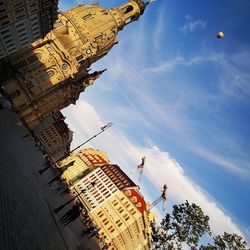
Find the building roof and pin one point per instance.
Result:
(120, 179)
(136, 198)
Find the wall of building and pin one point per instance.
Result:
(22, 22)
(54, 135)
(116, 206)
(84, 160)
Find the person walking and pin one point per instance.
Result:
(72, 215)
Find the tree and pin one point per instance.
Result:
(187, 223)
(227, 242)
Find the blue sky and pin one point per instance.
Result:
(179, 96)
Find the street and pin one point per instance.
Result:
(26, 202)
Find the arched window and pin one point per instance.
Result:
(128, 9)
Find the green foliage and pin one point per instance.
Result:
(187, 223)
(227, 242)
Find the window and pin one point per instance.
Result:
(32, 58)
(50, 73)
(44, 76)
(64, 66)
(99, 37)
(128, 20)
(79, 58)
(39, 55)
(15, 94)
(86, 16)
(58, 25)
(20, 64)
(29, 84)
(128, 9)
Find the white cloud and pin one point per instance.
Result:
(159, 27)
(160, 167)
(235, 77)
(192, 25)
(171, 64)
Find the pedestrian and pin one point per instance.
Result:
(4, 103)
(65, 191)
(26, 136)
(19, 124)
(48, 165)
(56, 190)
(72, 214)
(89, 229)
(57, 178)
(69, 212)
(95, 232)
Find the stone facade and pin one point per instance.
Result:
(24, 21)
(54, 135)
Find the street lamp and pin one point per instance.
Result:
(102, 130)
(65, 156)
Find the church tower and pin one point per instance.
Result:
(50, 74)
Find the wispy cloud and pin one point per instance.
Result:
(230, 164)
(192, 25)
(159, 27)
(171, 64)
(235, 76)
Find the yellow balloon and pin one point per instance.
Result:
(220, 34)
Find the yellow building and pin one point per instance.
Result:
(94, 157)
(83, 160)
(115, 204)
(52, 72)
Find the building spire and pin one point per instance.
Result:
(128, 12)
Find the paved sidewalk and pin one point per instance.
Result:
(27, 220)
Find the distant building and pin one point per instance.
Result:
(22, 22)
(51, 73)
(54, 135)
(83, 162)
(115, 204)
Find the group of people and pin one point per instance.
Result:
(72, 214)
(76, 210)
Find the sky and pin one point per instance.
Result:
(180, 97)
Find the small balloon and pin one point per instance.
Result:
(220, 35)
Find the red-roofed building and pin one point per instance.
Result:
(114, 203)
(136, 198)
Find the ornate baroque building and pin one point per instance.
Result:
(51, 73)
(24, 21)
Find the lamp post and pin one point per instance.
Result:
(102, 130)
(48, 165)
